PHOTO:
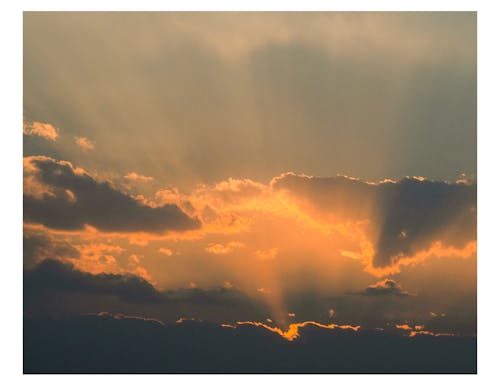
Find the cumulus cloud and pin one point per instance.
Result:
(223, 249)
(382, 288)
(84, 143)
(44, 130)
(91, 202)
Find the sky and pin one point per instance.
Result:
(257, 169)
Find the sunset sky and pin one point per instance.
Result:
(270, 168)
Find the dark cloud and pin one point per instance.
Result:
(409, 214)
(53, 275)
(53, 288)
(108, 344)
(38, 246)
(76, 199)
(460, 316)
(384, 287)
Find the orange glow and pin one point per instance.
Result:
(222, 249)
(418, 329)
(45, 130)
(437, 249)
(84, 143)
(258, 237)
(293, 329)
(423, 332)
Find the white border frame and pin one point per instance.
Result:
(488, 185)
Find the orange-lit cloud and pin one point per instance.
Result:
(44, 130)
(98, 258)
(436, 250)
(84, 143)
(134, 259)
(418, 329)
(423, 332)
(99, 203)
(143, 272)
(165, 251)
(133, 176)
(222, 249)
(292, 332)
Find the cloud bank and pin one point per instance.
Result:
(115, 344)
(61, 196)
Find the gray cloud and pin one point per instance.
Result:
(76, 199)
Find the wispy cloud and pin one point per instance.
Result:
(133, 176)
(84, 143)
(44, 130)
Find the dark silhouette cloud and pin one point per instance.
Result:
(73, 198)
(53, 275)
(109, 344)
(409, 214)
(384, 287)
(38, 246)
(53, 288)
(63, 278)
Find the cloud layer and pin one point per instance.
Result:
(118, 344)
(52, 275)
(69, 198)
